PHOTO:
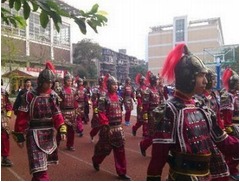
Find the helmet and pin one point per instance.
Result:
(78, 80)
(110, 80)
(140, 79)
(100, 80)
(67, 76)
(211, 76)
(183, 66)
(230, 79)
(46, 75)
(128, 79)
(151, 78)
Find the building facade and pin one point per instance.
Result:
(198, 35)
(28, 49)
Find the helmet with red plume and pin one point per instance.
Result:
(151, 79)
(78, 80)
(182, 67)
(47, 75)
(139, 79)
(211, 76)
(67, 76)
(109, 80)
(230, 79)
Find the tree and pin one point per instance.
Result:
(84, 54)
(134, 70)
(50, 9)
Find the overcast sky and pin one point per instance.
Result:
(129, 20)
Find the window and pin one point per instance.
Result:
(179, 30)
(36, 32)
(63, 37)
(10, 29)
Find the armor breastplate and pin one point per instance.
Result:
(40, 107)
(236, 106)
(80, 95)
(68, 101)
(154, 99)
(128, 91)
(145, 96)
(193, 131)
(114, 111)
(213, 104)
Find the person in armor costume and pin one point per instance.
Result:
(81, 98)
(37, 117)
(68, 108)
(153, 102)
(98, 93)
(209, 97)
(87, 104)
(142, 95)
(128, 95)
(111, 134)
(230, 109)
(187, 136)
(162, 89)
(27, 87)
(6, 112)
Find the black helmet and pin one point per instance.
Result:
(46, 75)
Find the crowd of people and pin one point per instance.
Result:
(193, 128)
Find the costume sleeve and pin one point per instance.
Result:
(227, 116)
(103, 119)
(229, 147)
(21, 121)
(58, 120)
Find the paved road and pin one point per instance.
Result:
(77, 165)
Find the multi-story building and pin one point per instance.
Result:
(26, 50)
(198, 35)
(117, 63)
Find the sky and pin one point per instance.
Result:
(129, 21)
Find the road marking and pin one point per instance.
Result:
(85, 162)
(15, 174)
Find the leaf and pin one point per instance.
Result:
(13, 22)
(21, 21)
(91, 24)
(44, 19)
(81, 24)
(35, 6)
(103, 13)
(17, 4)
(26, 10)
(53, 5)
(94, 8)
(11, 3)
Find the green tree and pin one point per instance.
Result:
(50, 9)
(85, 54)
(134, 70)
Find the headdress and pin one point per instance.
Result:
(230, 79)
(47, 75)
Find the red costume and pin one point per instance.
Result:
(6, 111)
(68, 109)
(188, 136)
(230, 113)
(98, 93)
(142, 96)
(37, 117)
(81, 98)
(153, 102)
(111, 136)
(128, 96)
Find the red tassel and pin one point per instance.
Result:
(50, 66)
(105, 80)
(226, 76)
(137, 78)
(170, 63)
(148, 75)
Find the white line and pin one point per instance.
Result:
(15, 174)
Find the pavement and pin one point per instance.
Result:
(77, 165)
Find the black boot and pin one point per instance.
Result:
(124, 177)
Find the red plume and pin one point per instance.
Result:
(65, 73)
(170, 63)
(50, 66)
(137, 78)
(226, 76)
(105, 80)
(148, 75)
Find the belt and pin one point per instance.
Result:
(190, 164)
(114, 123)
(40, 124)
